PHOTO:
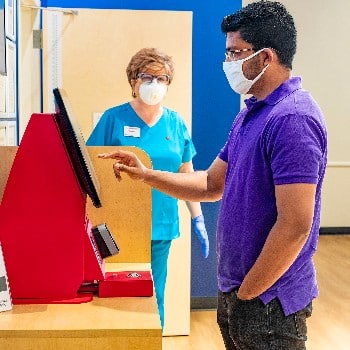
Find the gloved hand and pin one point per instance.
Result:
(201, 233)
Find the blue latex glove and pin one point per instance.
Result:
(201, 233)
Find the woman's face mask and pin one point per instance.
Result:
(234, 74)
(152, 93)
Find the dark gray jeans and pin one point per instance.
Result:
(251, 325)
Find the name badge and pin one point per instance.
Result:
(132, 131)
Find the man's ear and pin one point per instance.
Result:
(270, 55)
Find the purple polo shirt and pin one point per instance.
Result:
(279, 140)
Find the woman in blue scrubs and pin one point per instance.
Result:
(144, 122)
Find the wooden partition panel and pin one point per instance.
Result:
(7, 155)
(126, 207)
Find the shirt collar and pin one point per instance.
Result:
(285, 89)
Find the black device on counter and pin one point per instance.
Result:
(104, 241)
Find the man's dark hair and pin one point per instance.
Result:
(265, 24)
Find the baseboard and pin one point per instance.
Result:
(335, 230)
(204, 303)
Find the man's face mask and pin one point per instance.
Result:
(234, 74)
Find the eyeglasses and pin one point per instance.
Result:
(148, 78)
(232, 54)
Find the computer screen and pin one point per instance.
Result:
(76, 147)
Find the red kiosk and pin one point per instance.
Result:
(46, 236)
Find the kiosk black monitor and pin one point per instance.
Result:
(76, 147)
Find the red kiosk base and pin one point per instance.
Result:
(126, 283)
(45, 234)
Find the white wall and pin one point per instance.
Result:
(321, 60)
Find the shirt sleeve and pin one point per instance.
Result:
(223, 154)
(189, 150)
(295, 146)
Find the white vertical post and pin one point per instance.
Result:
(5, 297)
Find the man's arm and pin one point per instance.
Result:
(295, 207)
(199, 186)
(193, 207)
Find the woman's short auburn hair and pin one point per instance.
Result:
(149, 58)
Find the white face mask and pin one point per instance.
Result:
(152, 93)
(234, 74)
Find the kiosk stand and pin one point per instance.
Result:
(43, 218)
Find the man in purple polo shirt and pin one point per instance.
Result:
(269, 176)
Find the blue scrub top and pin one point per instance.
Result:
(168, 144)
